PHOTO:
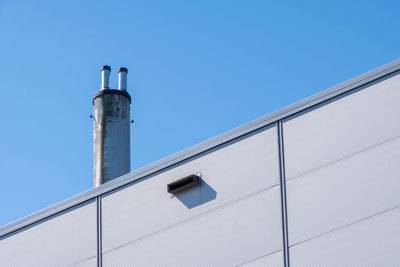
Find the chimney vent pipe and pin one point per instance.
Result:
(105, 77)
(122, 79)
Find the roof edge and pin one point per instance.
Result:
(169, 161)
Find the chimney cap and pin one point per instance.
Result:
(123, 69)
(105, 67)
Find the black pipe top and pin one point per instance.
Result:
(105, 67)
(123, 69)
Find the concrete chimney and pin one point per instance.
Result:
(111, 129)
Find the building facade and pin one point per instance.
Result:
(313, 184)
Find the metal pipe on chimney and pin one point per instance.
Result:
(105, 77)
(122, 79)
(111, 129)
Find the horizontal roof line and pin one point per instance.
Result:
(204, 146)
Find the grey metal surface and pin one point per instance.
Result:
(202, 147)
(111, 135)
(229, 173)
(371, 242)
(342, 126)
(234, 234)
(64, 239)
(344, 192)
(271, 260)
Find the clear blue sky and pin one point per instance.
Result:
(196, 70)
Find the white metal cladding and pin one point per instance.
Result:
(345, 125)
(273, 260)
(351, 135)
(344, 192)
(63, 239)
(229, 173)
(371, 242)
(231, 235)
(87, 263)
(206, 145)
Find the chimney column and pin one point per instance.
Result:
(111, 129)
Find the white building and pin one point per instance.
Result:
(313, 184)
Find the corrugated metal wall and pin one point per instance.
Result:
(331, 170)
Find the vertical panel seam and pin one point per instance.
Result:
(99, 233)
(282, 182)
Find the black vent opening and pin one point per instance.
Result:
(183, 184)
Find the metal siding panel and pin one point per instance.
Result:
(344, 192)
(344, 125)
(63, 239)
(272, 260)
(371, 242)
(230, 172)
(228, 236)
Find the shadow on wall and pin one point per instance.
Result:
(197, 196)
